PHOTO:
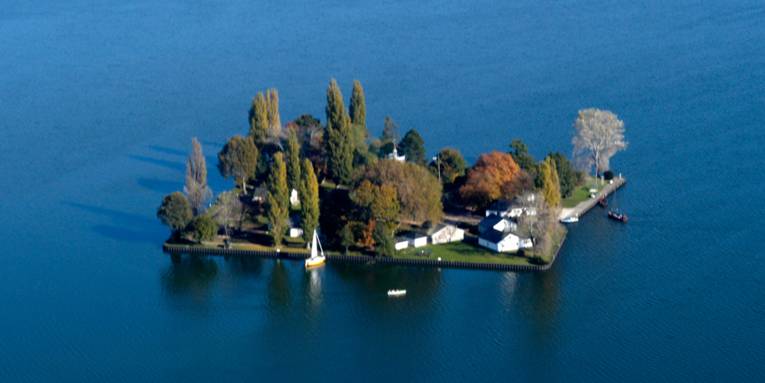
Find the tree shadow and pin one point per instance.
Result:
(159, 186)
(125, 226)
(116, 215)
(172, 165)
(127, 235)
(167, 150)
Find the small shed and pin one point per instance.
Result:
(446, 233)
(401, 243)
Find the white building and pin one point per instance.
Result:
(294, 200)
(413, 239)
(394, 156)
(501, 242)
(446, 233)
(500, 234)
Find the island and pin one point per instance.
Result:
(382, 199)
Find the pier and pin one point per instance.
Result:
(585, 206)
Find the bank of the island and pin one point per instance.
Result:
(382, 200)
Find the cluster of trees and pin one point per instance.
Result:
(369, 195)
(187, 212)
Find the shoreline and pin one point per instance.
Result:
(334, 256)
(176, 249)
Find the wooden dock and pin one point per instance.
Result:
(585, 206)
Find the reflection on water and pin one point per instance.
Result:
(313, 291)
(279, 287)
(189, 276)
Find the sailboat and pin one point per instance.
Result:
(317, 253)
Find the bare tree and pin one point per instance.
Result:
(196, 188)
(228, 210)
(538, 220)
(599, 135)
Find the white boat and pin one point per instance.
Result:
(317, 253)
(572, 219)
(396, 293)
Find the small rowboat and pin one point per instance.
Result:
(396, 293)
(602, 202)
(617, 216)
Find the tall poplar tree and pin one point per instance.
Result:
(293, 160)
(196, 188)
(274, 119)
(338, 136)
(309, 200)
(277, 204)
(390, 131)
(550, 182)
(259, 121)
(358, 112)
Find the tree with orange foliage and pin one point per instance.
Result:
(495, 175)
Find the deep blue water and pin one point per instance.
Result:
(99, 100)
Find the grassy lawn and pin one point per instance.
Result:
(463, 252)
(557, 237)
(582, 192)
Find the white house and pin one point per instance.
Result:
(496, 223)
(445, 233)
(294, 224)
(413, 239)
(294, 200)
(501, 208)
(394, 156)
(501, 242)
(500, 234)
(295, 232)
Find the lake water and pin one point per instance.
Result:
(99, 100)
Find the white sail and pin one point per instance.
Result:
(317, 253)
(314, 251)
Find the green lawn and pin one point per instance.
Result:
(582, 192)
(461, 251)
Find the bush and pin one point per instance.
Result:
(204, 228)
(608, 175)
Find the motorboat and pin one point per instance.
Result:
(617, 216)
(396, 293)
(571, 219)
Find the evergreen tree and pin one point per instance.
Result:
(278, 199)
(259, 121)
(390, 131)
(550, 182)
(293, 160)
(383, 241)
(239, 159)
(448, 165)
(204, 228)
(525, 160)
(338, 136)
(358, 114)
(569, 176)
(274, 119)
(309, 200)
(413, 147)
(175, 212)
